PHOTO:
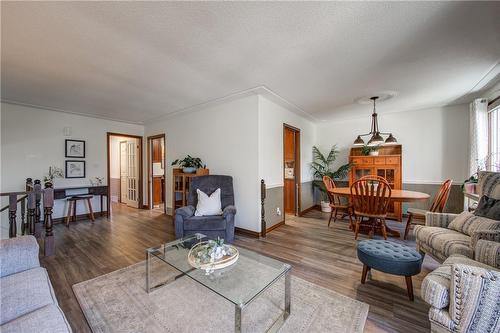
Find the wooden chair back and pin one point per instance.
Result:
(371, 196)
(330, 185)
(441, 197)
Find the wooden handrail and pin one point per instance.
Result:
(21, 198)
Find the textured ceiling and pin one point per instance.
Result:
(135, 61)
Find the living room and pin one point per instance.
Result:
(406, 92)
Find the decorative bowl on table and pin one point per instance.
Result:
(211, 255)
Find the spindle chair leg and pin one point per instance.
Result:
(382, 226)
(335, 215)
(90, 210)
(408, 224)
(358, 222)
(74, 211)
(330, 220)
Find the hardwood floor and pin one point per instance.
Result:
(322, 255)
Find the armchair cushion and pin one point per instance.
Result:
(435, 289)
(488, 207)
(467, 223)
(488, 252)
(438, 219)
(18, 254)
(442, 242)
(201, 223)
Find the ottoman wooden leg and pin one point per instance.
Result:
(366, 269)
(409, 287)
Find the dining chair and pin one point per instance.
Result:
(437, 206)
(370, 198)
(336, 203)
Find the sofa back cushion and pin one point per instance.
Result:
(489, 184)
(467, 223)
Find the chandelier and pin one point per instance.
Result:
(376, 136)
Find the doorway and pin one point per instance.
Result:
(125, 183)
(156, 173)
(291, 170)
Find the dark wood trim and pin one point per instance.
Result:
(297, 167)
(277, 225)
(141, 163)
(307, 210)
(149, 147)
(246, 232)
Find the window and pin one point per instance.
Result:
(494, 139)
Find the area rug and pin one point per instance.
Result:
(118, 302)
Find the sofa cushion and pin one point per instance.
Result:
(489, 184)
(48, 319)
(435, 288)
(200, 223)
(445, 241)
(467, 223)
(24, 292)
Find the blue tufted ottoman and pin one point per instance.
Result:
(390, 257)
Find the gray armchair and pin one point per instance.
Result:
(214, 226)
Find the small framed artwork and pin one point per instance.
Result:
(75, 169)
(75, 148)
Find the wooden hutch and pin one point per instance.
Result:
(387, 164)
(180, 186)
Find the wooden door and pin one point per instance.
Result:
(123, 171)
(291, 170)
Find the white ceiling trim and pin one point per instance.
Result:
(8, 101)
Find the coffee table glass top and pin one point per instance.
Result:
(239, 283)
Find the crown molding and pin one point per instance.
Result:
(8, 101)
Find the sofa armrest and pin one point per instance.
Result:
(18, 254)
(474, 293)
(185, 212)
(438, 219)
(490, 235)
(229, 210)
(487, 252)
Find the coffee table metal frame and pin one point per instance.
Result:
(238, 307)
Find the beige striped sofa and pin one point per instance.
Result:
(464, 292)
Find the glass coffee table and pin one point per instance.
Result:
(239, 283)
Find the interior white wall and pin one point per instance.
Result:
(33, 139)
(435, 141)
(224, 136)
(271, 119)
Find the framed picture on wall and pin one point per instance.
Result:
(75, 148)
(75, 169)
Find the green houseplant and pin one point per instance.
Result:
(188, 164)
(322, 166)
(370, 150)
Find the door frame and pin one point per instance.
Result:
(297, 169)
(149, 148)
(141, 162)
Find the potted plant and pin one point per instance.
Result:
(322, 166)
(188, 164)
(54, 172)
(470, 184)
(370, 150)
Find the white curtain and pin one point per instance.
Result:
(478, 134)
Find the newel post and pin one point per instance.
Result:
(48, 204)
(262, 210)
(37, 188)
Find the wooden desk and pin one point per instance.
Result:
(396, 195)
(101, 190)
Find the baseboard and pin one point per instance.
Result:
(277, 225)
(246, 232)
(315, 207)
(79, 217)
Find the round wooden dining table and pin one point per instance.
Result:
(396, 195)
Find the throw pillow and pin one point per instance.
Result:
(488, 207)
(467, 223)
(208, 205)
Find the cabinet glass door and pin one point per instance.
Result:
(361, 172)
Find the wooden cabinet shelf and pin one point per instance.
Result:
(387, 164)
(180, 186)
